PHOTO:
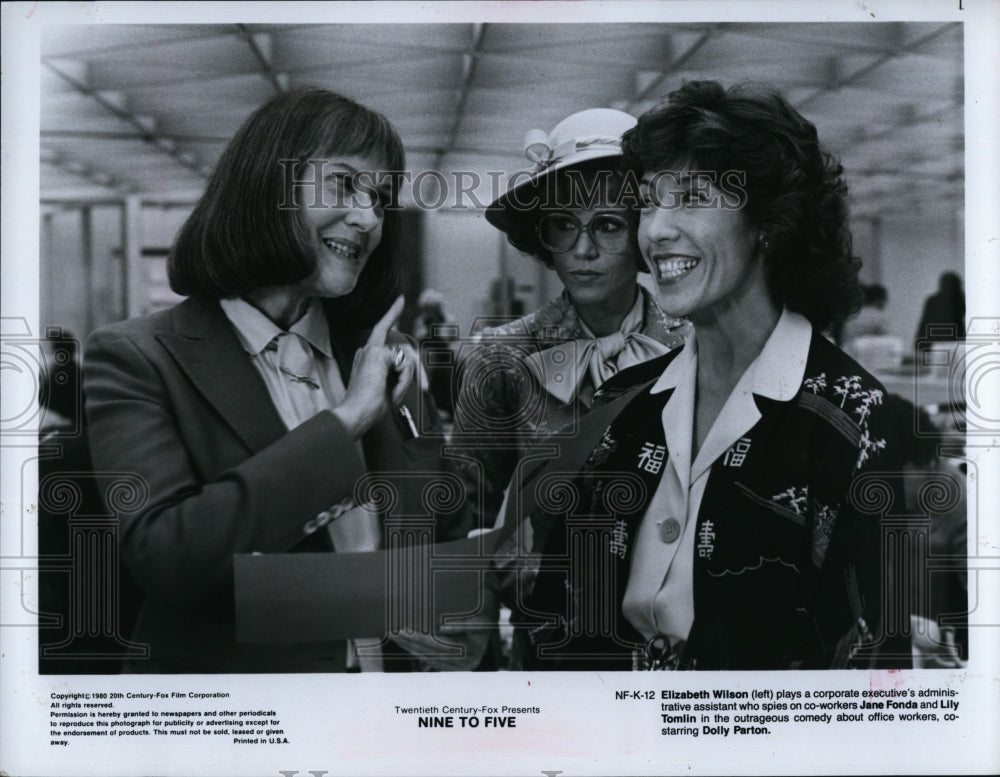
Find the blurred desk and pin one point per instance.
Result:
(935, 375)
(923, 385)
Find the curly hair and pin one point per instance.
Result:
(573, 187)
(795, 192)
(243, 234)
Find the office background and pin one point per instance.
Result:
(133, 118)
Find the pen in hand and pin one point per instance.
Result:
(408, 423)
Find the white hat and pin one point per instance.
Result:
(590, 134)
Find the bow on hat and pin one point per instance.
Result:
(591, 133)
(540, 148)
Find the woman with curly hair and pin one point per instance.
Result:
(715, 521)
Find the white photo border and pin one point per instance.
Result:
(350, 724)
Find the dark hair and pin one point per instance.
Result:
(567, 189)
(875, 294)
(238, 238)
(795, 191)
(950, 283)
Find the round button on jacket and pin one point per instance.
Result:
(670, 529)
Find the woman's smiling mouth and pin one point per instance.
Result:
(344, 248)
(670, 269)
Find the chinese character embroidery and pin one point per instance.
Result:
(619, 538)
(736, 455)
(651, 457)
(706, 539)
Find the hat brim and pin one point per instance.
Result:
(508, 209)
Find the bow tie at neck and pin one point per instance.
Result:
(611, 345)
(562, 369)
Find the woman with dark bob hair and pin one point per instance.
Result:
(229, 244)
(250, 413)
(729, 480)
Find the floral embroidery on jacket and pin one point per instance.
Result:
(817, 384)
(821, 518)
(851, 396)
(607, 446)
(824, 521)
(794, 499)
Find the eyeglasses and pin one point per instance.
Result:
(560, 231)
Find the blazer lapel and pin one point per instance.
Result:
(570, 459)
(206, 349)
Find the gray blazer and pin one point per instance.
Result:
(174, 399)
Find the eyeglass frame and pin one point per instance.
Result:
(580, 228)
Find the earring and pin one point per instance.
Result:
(765, 246)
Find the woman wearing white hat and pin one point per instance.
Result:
(532, 378)
(535, 376)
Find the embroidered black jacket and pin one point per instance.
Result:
(795, 561)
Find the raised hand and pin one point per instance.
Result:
(380, 377)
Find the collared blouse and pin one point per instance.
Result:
(659, 598)
(533, 379)
(317, 375)
(768, 550)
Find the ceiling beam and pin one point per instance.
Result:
(628, 40)
(132, 137)
(655, 83)
(55, 134)
(86, 172)
(789, 33)
(838, 81)
(262, 46)
(185, 33)
(470, 60)
(76, 74)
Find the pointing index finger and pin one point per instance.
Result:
(381, 329)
